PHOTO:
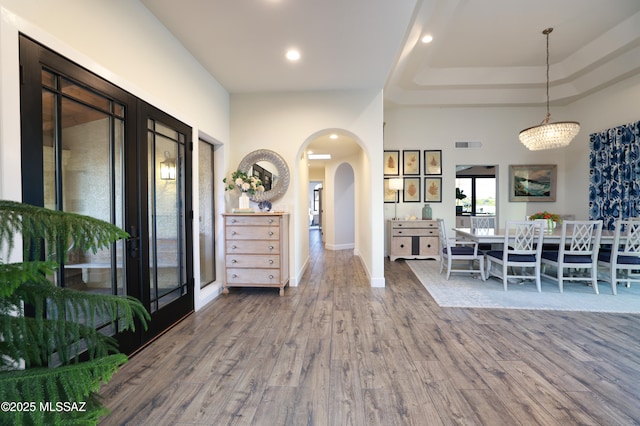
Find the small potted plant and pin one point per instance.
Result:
(460, 195)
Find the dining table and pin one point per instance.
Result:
(496, 236)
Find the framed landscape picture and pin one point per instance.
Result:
(411, 162)
(533, 182)
(433, 189)
(433, 162)
(411, 193)
(391, 163)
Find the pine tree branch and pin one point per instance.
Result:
(76, 383)
(59, 229)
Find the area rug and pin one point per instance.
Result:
(466, 291)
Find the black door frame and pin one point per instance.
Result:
(33, 59)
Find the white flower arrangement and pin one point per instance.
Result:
(243, 182)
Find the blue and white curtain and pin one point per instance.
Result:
(614, 189)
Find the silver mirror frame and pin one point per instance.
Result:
(282, 183)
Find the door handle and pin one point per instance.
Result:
(134, 242)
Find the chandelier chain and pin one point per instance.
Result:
(547, 31)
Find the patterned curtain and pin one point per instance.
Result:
(614, 162)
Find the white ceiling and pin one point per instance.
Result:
(484, 52)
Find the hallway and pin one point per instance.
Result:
(334, 351)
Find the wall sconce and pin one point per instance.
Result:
(168, 167)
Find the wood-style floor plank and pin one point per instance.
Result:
(334, 351)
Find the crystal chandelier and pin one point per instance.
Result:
(549, 135)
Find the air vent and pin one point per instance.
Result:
(465, 145)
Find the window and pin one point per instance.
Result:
(478, 187)
(206, 219)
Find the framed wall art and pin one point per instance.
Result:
(411, 192)
(433, 189)
(432, 162)
(391, 163)
(411, 162)
(533, 182)
(390, 195)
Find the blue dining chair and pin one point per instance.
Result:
(452, 250)
(623, 259)
(520, 254)
(576, 253)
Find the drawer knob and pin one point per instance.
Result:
(399, 232)
(234, 261)
(234, 276)
(270, 233)
(401, 245)
(270, 277)
(270, 247)
(271, 261)
(270, 220)
(234, 233)
(428, 245)
(234, 247)
(233, 221)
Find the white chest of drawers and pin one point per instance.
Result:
(256, 250)
(413, 239)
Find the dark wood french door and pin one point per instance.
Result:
(92, 148)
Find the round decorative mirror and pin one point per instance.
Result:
(271, 169)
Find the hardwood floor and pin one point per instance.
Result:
(334, 351)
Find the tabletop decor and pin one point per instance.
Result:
(551, 218)
(246, 184)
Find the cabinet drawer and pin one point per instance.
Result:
(401, 246)
(252, 261)
(251, 220)
(414, 224)
(407, 232)
(429, 246)
(253, 276)
(414, 246)
(252, 247)
(252, 233)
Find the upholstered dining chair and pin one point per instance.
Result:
(452, 250)
(576, 253)
(520, 253)
(485, 223)
(623, 259)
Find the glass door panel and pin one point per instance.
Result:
(166, 216)
(82, 156)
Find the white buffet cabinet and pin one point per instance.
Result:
(256, 250)
(413, 239)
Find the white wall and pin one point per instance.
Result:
(615, 106)
(125, 44)
(497, 129)
(286, 123)
(344, 207)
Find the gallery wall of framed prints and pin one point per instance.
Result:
(421, 171)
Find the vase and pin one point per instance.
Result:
(551, 224)
(243, 201)
(426, 212)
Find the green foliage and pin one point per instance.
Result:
(40, 359)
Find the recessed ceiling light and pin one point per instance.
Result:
(319, 156)
(293, 55)
(427, 39)
(333, 136)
